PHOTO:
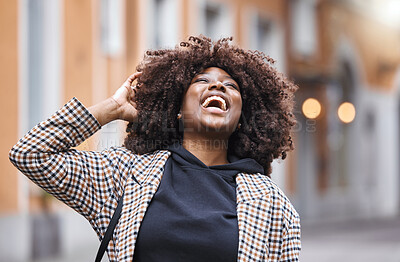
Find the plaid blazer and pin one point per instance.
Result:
(92, 182)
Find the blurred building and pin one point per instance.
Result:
(347, 157)
(336, 51)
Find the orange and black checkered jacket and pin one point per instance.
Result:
(92, 182)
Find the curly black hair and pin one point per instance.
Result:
(268, 98)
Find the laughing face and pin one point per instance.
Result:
(212, 104)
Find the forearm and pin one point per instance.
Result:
(78, 178)
(67, 128)
(106, 111)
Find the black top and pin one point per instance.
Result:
(192, 216)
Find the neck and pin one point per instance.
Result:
(210, 151)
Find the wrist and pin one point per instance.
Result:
(106, 111)
(112, 110)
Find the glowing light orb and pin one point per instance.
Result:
(311, 108)
(346, 112)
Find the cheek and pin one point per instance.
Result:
(191, 97)
(239, 106)
(188, 104)
(186, 100)
(238, 115)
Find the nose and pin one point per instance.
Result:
(217, 85)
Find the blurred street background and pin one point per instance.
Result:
(344, 175)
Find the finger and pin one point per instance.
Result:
(131, 91)
(133, 94)
(132, 78)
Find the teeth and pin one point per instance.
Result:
(211, 98)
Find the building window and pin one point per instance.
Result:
(264, 35)
(43, 55)
(268, 36)
(159, 6)
(111, 27)
(304, 27)
(213, 17)
(162, 23)
(215, 20)
(35, 62)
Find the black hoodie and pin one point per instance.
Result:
(192, 216)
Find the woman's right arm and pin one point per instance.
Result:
(84, 180)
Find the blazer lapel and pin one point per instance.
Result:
(254, 217)
(138, 193)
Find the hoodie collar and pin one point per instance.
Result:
(242, 165)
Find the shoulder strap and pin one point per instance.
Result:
(110, 229)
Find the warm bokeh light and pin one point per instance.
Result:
(311, 108)
(346, 112)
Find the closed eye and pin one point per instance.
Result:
(232, 85)
(204, 80)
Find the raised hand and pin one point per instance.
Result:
(124, 98)
(118, 106)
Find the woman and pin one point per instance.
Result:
(206, 119)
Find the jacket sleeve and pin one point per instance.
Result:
(291, 245)
(83, 180)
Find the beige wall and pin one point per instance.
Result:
(132, 35)
(78, 43)
(9, 103)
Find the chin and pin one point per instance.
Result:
(217, 128)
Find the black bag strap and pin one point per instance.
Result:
(110, 229)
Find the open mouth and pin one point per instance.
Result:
(215, 101)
